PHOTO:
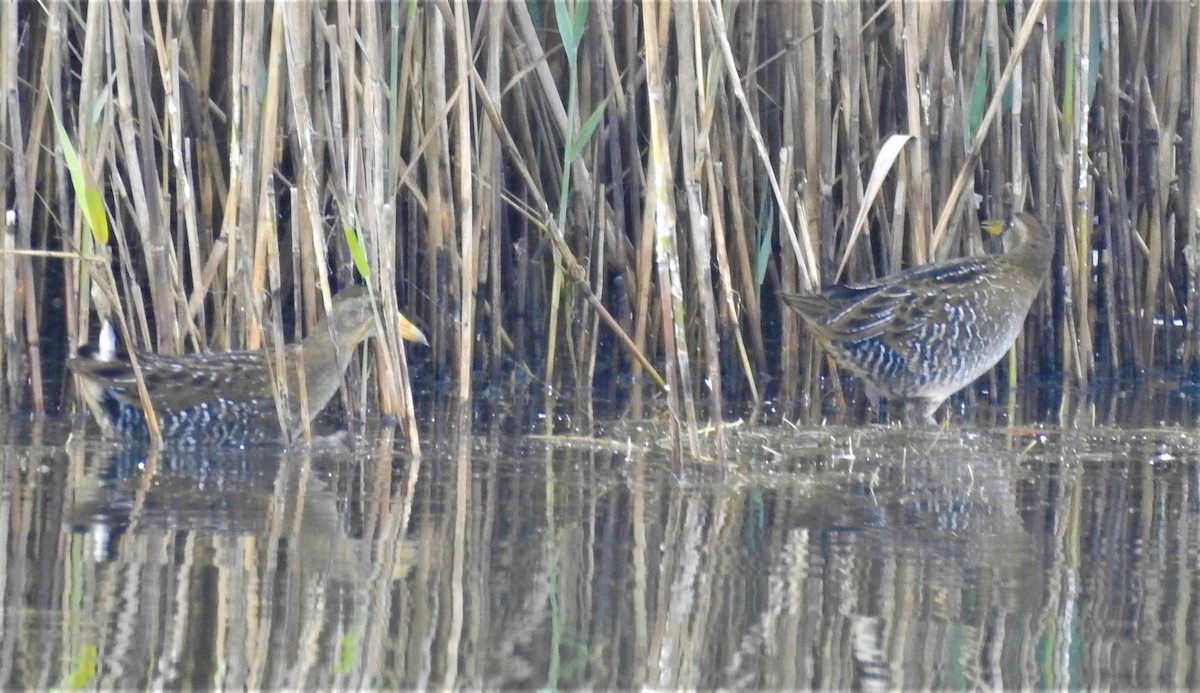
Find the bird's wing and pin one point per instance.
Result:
(114, 375)
(167, 377)
(907, 302)
(872, 315)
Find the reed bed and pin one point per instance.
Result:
(596, 196)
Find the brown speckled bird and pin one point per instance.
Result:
(225, 398)
(926, 333)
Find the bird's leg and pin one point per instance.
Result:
(877, 404)
(919, 411)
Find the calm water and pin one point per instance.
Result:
(829, 557)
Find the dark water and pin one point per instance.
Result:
(832, 557)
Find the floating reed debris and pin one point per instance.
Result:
(597, 192)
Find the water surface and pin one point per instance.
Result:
(818, 557)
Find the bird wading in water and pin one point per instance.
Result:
(226, 398)
(923, 334)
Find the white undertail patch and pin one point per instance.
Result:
(108, 343)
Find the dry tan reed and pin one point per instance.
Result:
(728, 160)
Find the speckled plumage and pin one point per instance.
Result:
(926, 333)
(226, 398)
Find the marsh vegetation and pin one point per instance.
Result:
(592, 198)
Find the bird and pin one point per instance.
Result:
(924, 334)
(226, 398)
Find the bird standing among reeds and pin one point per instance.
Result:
(226, 398)
(923, 334)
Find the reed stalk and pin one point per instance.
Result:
(234, 144)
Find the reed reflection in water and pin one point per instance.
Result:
(823, 558)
